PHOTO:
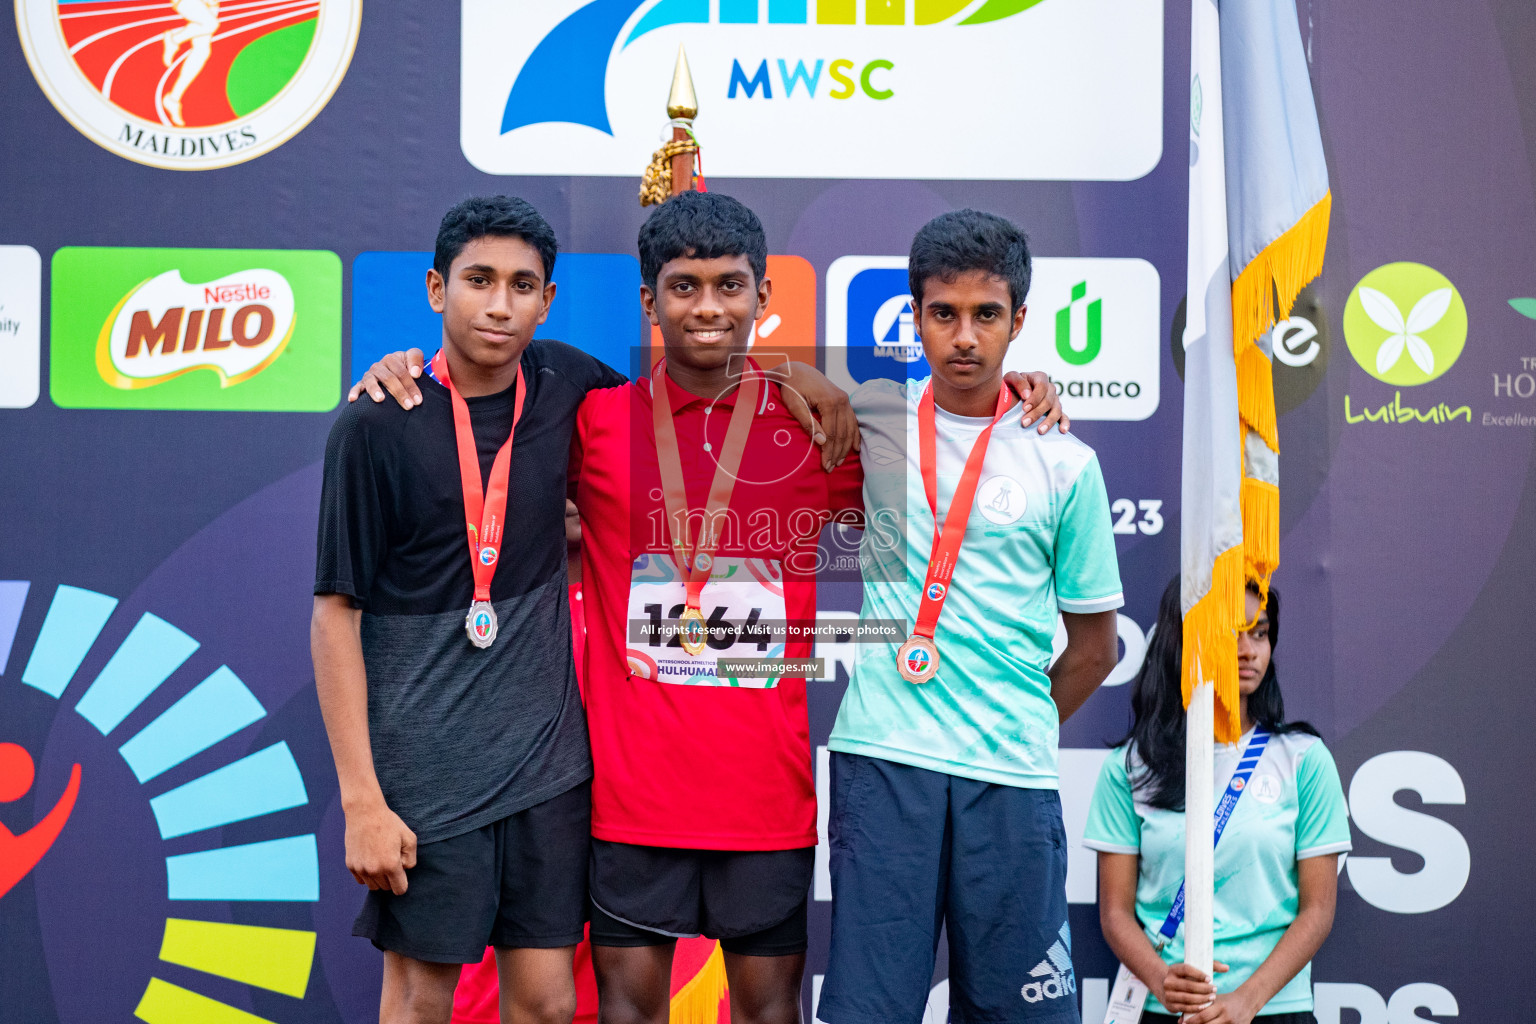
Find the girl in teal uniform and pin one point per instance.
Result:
(1276, 863)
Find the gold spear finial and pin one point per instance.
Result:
(682, 103)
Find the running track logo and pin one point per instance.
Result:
(280, 868)
(188, 84)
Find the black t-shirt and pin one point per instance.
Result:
(461, 736)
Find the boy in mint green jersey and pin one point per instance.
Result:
(944, 785)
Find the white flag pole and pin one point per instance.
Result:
(1212, 459)
(1199, 826)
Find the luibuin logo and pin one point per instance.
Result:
(188, 84)
(1093, 327)
(196, 329)
(1405, 324)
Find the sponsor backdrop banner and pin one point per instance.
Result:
(212, 216)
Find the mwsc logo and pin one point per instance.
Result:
(574, 87)
(195, 329)
(188, 84)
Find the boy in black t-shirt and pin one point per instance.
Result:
(463, 768)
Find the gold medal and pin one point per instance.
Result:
(692, 633)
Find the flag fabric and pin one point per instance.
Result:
(1258, 226)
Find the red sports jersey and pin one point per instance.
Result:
(677, 763)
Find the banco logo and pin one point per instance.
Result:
(578, 86)
(195, 329)
(188, 84)
(1093, 326)
(1405, 324)
(1075, 352)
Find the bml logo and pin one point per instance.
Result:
(870, 331)
(895, 337)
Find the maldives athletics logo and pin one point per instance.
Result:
(188, 84)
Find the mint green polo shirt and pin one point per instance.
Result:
(1292, 808)
(1039, 540)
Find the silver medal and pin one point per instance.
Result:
(480, 624)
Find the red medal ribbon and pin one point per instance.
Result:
(947, 541)
(485, 512)
(687, 553)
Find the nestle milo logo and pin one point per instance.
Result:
(234, 327)
(256, 330)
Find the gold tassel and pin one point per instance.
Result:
(1210, 642)
(1282, 268)
(656, 182)
(1256, 395)
(1261, 534)
(698, 1002)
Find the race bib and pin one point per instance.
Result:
(743, 608)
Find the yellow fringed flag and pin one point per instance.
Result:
(698, 982)
(1258, 227)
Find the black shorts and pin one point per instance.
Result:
(753, 901)
(517, 883)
